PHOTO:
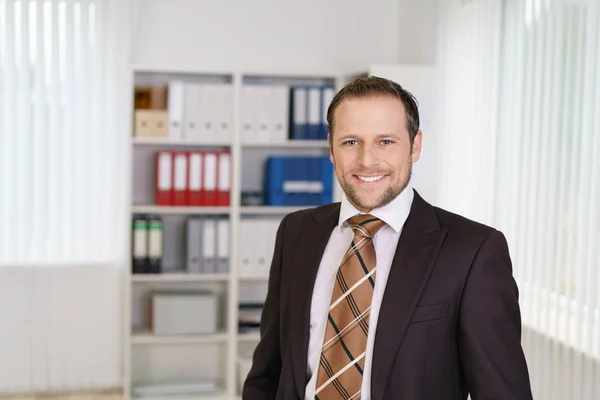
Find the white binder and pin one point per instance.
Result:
(245, 267)
(193, 109)
(221, 112)
(248, 114)
(194, 248)
(264, 114)
(176, 104)
(209, 245)
(328, 95)
(314, 111)
(223, 245)
(280, 108)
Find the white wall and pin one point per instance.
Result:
(304, 34)
(418, 29)
(290, 35)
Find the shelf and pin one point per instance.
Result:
(218, 396)
(152, 209)
(249, 337)
(272, 210)
(149, 141)
(145, 337)
(258, 278)
(178, 277)
(179, 69)
(298, 144)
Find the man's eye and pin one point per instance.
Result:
(386, 141)
(350, 142)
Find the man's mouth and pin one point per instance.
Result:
(370, 178)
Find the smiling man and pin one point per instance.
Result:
(384, 296)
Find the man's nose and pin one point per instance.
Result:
(367, 156)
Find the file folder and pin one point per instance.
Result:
(314, 177)
(280, 107)
(195, 167)
(192, 111)
(176, 104)
(222, 246)
(180, 183)
(150, 123)
(209, 245)
(328, 95)
(140, 245)
(298, 114)
(164, 178)
(327, 179)
(224, 184)
(194, 248)
(143, 123)
(274, 179)
(264, 111)
(155, 244)
(249, 114)
(245, 249)
(210, 178)
(314, 113)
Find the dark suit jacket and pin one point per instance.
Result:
(449, 323)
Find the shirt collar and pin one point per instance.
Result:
(393, 214)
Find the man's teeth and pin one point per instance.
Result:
(370, 178)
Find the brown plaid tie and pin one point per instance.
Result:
(342, 356)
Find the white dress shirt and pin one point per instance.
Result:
(394, 214)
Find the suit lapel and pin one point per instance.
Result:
(308, 256)
(415, 255)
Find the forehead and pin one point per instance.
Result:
(370, 113)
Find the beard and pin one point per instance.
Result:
(389, 194)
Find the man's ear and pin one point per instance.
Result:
(416, 146)
(329, 139)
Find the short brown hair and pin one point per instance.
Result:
(374, 85)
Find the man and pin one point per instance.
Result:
(385, 296)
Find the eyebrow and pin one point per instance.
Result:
(341, 136)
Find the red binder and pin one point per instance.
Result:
(164, 178)
(210, 178)
(224, 179)
(180, 180)
(195, 187)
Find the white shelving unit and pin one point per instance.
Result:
(178, 277)
(230, 341)
(148, 338)
(291, 144)
(175, 210)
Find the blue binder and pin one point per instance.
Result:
(295, 176)
(314, 176)
(273, 181)
(298, 113)
(326, 171)
(314, 113)
(327, 95)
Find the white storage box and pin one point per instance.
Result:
(183, 313)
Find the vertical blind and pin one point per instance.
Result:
(522, 152)
(62, 147)
(547, 193)
(64, 135)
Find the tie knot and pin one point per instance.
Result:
(365, 225)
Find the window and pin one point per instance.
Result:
(62, 131)
(548, 188)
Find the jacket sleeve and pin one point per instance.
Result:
(490, 327)
(263, 379)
